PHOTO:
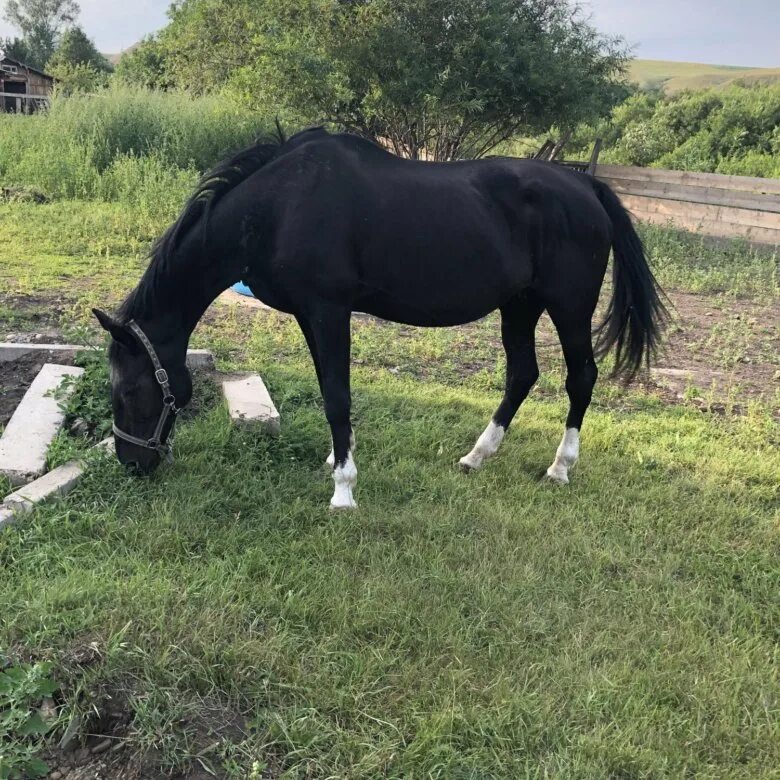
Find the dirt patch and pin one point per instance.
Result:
(721, 349)
(15, 378)
(31, 318)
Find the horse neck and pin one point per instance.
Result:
(173, 295)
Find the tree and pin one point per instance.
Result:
(41, 22)
(16, 49)
(144, 66)
(74, 49)
(426, 77)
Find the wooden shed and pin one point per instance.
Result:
(23, 89)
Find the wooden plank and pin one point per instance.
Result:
(721, 181)
(695, 194)
(703, 211)
(669, 212)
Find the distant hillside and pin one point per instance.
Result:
(676, 76)
(114, 58)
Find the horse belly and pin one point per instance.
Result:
(448, 283)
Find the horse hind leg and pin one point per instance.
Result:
(581, 375)
(518, 325)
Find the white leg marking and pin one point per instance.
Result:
(345, 478)
(487, 445)
(331, 459)
(565, 457)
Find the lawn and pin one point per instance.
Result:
(218, 618)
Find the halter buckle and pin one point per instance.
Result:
(161, 375)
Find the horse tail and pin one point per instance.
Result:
(636, 315)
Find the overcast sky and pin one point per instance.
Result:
(721, 32)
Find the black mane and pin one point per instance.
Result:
(210, 190)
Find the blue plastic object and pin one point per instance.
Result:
(242, 289)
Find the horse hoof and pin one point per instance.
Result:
(556, 476)
(467, 465)
(343, 507)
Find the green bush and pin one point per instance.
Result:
(122, 143)
(734, 130)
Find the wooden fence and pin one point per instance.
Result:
(708, 203)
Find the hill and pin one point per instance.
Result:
(677, 76)
(114, 58)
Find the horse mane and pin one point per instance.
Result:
(212, 187)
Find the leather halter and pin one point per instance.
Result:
(156, 442)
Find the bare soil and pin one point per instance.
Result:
(15, 378)
(718, 351)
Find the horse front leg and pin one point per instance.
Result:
(329, 327)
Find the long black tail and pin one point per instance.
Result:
(636, 314)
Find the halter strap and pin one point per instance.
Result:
(156, 442)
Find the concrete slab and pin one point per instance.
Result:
(58, 482)
(7, 517)
(200, 358)
(196, 358)
(249, 401)
(34, 424)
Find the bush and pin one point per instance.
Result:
(734, 130)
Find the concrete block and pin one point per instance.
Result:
(12, 351)
(58, 482)
(34, 424)
(200, 358)
(249, 401)
(196, 358)
(7, 517)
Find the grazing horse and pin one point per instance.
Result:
(321, 225)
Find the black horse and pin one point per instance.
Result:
(322, 225)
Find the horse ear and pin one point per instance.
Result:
(118, 332)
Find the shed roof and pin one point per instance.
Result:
(18, 64)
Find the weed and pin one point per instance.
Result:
(22, 728)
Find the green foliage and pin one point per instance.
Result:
(82, 77)
(22, 689)
(17, 49)
(76, 48)
(125, 143)
(89, 395)
(41, 23)
(427, 77)
(734, 130)
(144, 66)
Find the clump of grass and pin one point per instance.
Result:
(697, 264)
(123, 143)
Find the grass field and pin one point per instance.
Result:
(219, 619)
(678, 76)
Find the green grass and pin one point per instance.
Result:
(485, 626)
(679, 76)
(482, 626)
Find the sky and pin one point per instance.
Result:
(719, 32)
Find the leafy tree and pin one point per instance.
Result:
(425, 77)
(16, 49)
(41, 23)
(75, 49)
(144, 66)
